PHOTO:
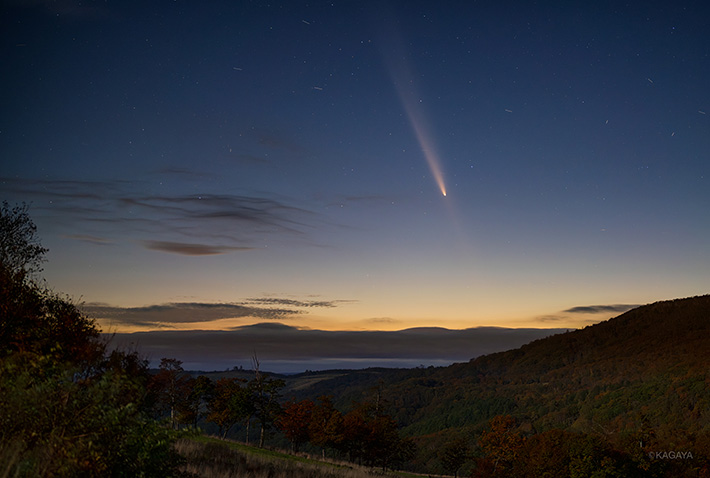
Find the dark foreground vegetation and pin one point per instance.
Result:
(627, 397)
(67, 406)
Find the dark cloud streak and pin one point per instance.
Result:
(191, 249)
(596, 309)
(186, 312)
(196, 224)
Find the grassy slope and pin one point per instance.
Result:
(215, 458)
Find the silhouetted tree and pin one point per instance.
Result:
(32, 318)
(20, 249)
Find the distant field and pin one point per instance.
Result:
(293, 382)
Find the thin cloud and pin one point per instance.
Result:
(296, 303)
(596, 309)
(97, 241)
(191, 249)
(551, 318)
(382, 320)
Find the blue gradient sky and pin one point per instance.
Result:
(283, 155)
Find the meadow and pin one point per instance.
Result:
(209, 457)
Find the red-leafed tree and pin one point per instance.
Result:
(502, 445)
(295, 422)
(200, 392)
(372, 436)
(326, 429)
(230, 404)
(356, 434)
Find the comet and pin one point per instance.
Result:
(401, 75)
(421, 131)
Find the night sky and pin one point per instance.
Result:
(358, 166)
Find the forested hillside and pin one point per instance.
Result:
(640, 378)
(650, 362)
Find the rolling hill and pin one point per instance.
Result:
(646, 368)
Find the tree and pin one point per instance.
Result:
(326, 428)
(384, 442)
(547, 454)
(265, 394)
(36, 320)
(371, 435)
(356, 434)
(200, 392)
(454, 454)
(295, 421)
(20, 250)
(171, 387)
(230, 404)
(502, 445)
(32, 318)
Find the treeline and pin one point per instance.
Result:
(364, 435)
(226, 402)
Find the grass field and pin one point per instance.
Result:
(209, 457)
